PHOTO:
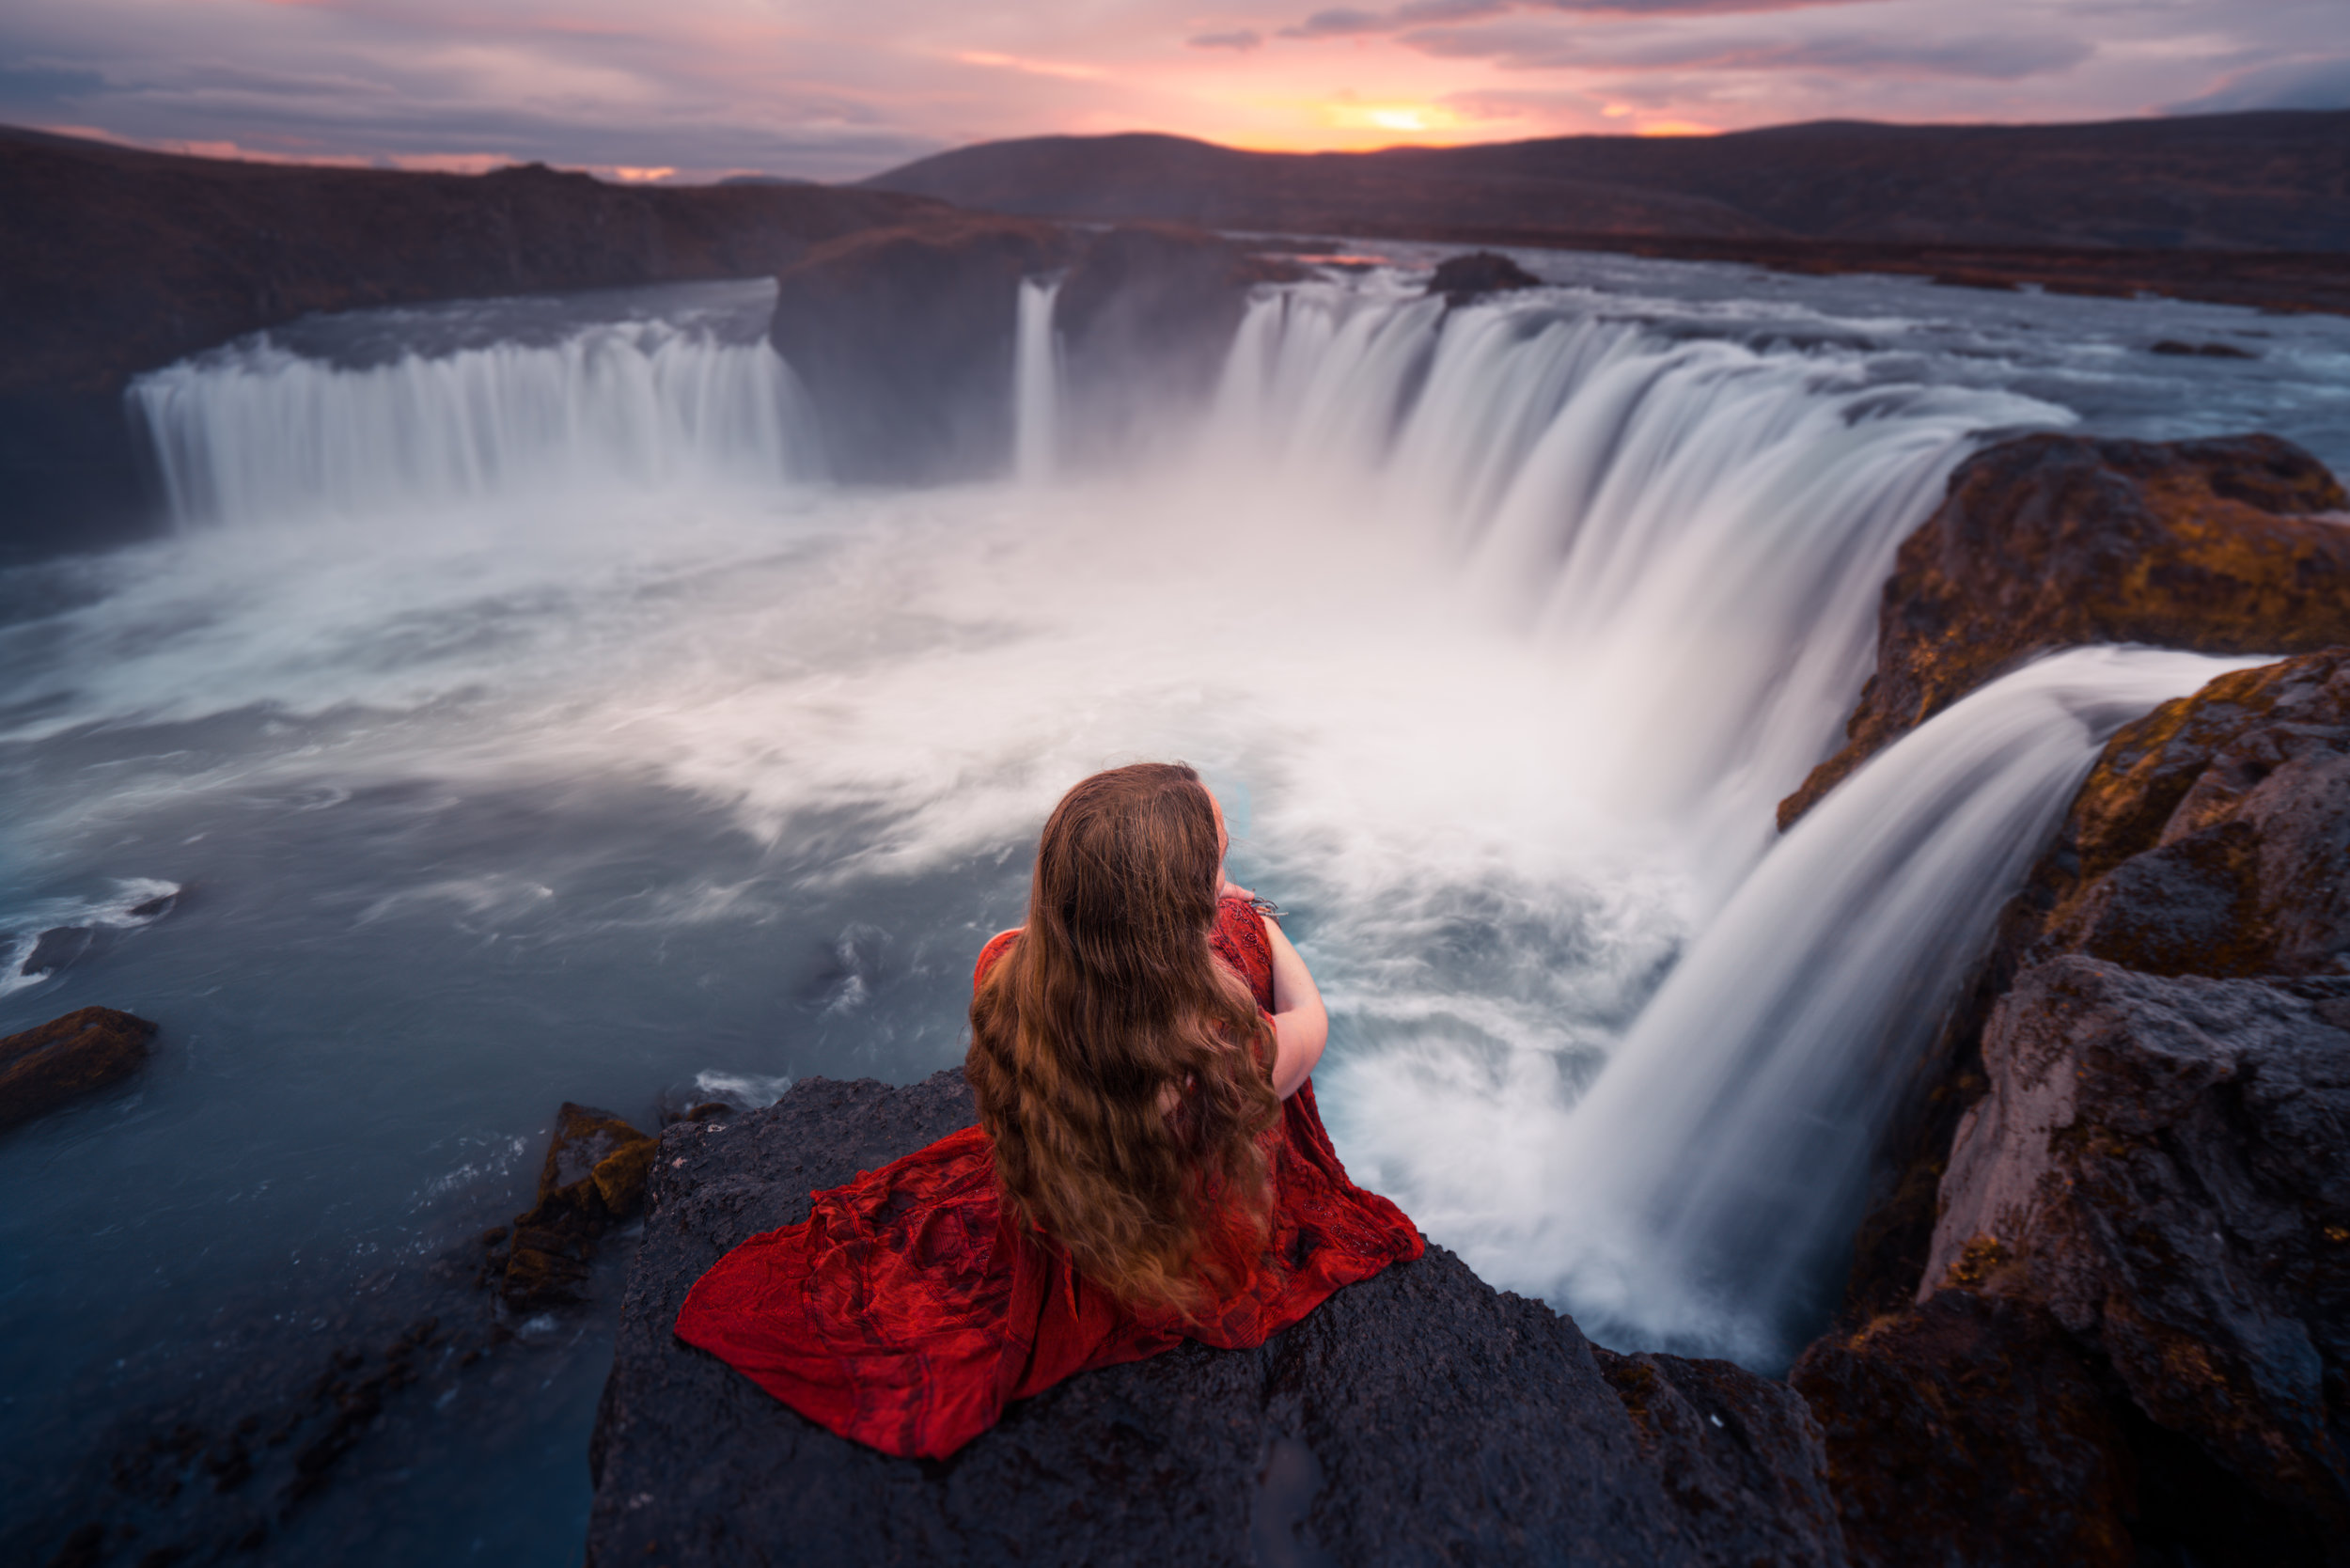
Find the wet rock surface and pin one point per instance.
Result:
(2052, 541)
(2142, 1147)
(66, 1058)
(593, 1177)
(904, 337)
(1421, 1415)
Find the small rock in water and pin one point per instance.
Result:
(42, 1068)
(57, 949)
(2203, 351)
(1463, 278)
(594, 1175)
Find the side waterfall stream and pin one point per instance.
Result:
(521, 715)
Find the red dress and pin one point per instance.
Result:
(909, 1308)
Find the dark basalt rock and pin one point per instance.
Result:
(1970, 1431)
(1418, 1417)
(57, 949)
(2205, 350)
(2213, 835)
(2052, 541)
(1463, 278)
(2207, 840)
(904, 338)
(594, 1175)
(41, 1069)
(2161, 1162)
(1146, 316)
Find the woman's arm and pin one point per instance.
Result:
(1300, 1023)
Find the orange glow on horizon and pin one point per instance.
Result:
(1408, 117)
(1679, 128)
(236, 153)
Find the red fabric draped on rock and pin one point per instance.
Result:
(909, 1308)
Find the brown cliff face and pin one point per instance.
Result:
(1146, 316)
(2052, 541)
(2149, 1097)
(906, 337)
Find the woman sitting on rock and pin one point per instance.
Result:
(1148, 1165)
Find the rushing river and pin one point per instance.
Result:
(520, 716)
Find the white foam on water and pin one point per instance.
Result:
(26, 922)
(742, 1090)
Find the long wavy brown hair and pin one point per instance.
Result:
(1122, 1073)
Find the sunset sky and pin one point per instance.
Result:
(836, 89)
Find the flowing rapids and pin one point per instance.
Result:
(522, 717)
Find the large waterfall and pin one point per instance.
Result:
(527, 718)
(1694, 531)
(256, 432)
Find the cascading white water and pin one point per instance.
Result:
(1036, 383)
(1698, 530)
(1699, 1193)
(254, 431)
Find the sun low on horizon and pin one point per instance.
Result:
(824, 90)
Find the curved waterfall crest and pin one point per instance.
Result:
(1697, 527)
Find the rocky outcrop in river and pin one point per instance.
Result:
(66, 1057)
(1421, 1415)
(904, 337)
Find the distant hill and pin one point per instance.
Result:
(113, 258)
(2267, 182)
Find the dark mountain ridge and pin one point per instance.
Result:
(2276, 180)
